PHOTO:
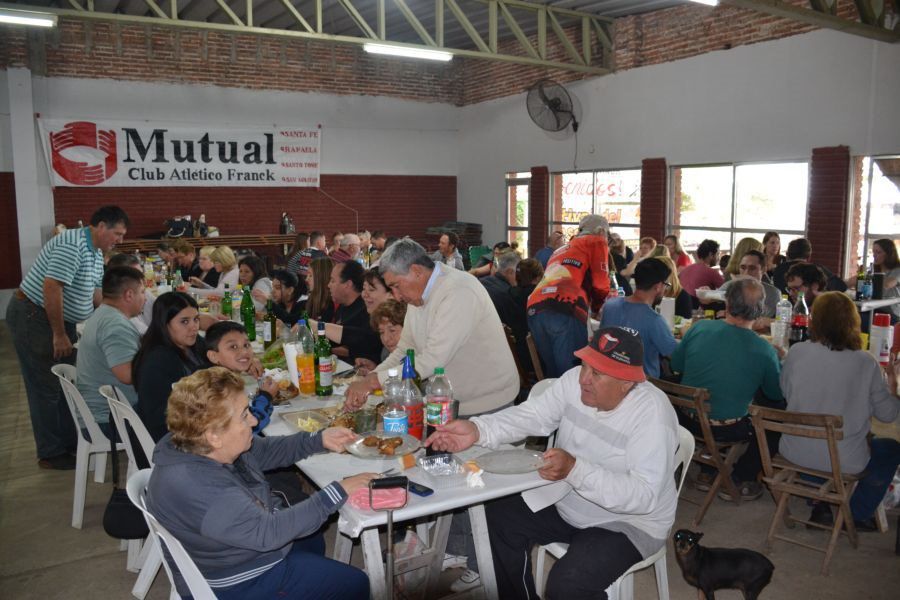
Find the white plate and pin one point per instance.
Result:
(358, 449)
(511, 462)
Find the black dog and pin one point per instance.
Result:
(711, 569)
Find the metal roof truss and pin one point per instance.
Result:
(534, 26)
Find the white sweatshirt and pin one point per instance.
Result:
(623, 479)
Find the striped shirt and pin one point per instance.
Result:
(71, 259)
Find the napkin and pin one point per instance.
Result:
(542, 497)
(474, 479)
(381, 499)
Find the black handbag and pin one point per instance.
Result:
(122, 519)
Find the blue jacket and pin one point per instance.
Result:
(225, 516)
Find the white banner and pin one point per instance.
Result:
(101, 152)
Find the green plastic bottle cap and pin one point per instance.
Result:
(439, 371)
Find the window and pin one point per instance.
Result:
(614, 194)
(729, 202)
(517, 187)
(877, 204)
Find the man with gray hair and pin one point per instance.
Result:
(499, 284)
(451, 323)
(575, 284)
(351, 249)
(735, 365)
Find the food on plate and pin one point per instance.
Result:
(371, 441)
(308, 424)
(347, 420)
(285, 392)
(274, 357)
(387, 446)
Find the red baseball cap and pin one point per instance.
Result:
(617, 352)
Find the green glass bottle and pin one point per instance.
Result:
(270, 322)
(412, 361)
(248, 315)
(227, 307)
(324, 366)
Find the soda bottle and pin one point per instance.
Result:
(799, 321)
(613, 287)
(861, 283)
(411, 355)
(269, 325)
(248, 315)
(395, 419)
(306, 353)
(411, 399)
(782, 322)
(439, 405)
(324, 366)
(178, 281)
(227, 306)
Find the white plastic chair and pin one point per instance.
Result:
(91, 453)
(623, 587)
(148, 557)
(200, 590)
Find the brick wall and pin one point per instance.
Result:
(10, 268)
(538, 209)
(94, 49)
(654, 180)
(827, 211)
(398, 205)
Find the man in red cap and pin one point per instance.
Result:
(614, 498)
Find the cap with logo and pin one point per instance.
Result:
(617, 352)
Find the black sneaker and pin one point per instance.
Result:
(821, 515)
(63, 462)
(867, 526)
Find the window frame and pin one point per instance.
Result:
(866, 204)
(511, 182)
(733, 230)
(553, 225)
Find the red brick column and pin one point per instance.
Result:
(538, 209)
(827, 210)
(654, 184)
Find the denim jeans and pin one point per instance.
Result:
(557, 336)
(304, 573)
(883, 460)
(51, 421)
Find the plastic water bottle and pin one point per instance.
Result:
(411, 399)
(439, 405)
(395, 419)
(782, 322)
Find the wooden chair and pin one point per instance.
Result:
(718, 455)
(524, 380)
(535, 357)
(785, 479)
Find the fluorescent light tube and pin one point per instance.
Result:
(27, 17)
(407, 52)
(707, 2)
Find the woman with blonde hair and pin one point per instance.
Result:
(831, 374)
(319, 301)
(645, 250)
(226, 265)
(209, 277)
(744, 246)
(681, 258)
(683, 305)
(208, 489)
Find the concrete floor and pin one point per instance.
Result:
(42, 556)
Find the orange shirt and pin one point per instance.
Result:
(576, 277)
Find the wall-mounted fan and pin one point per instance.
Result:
(550, 106)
